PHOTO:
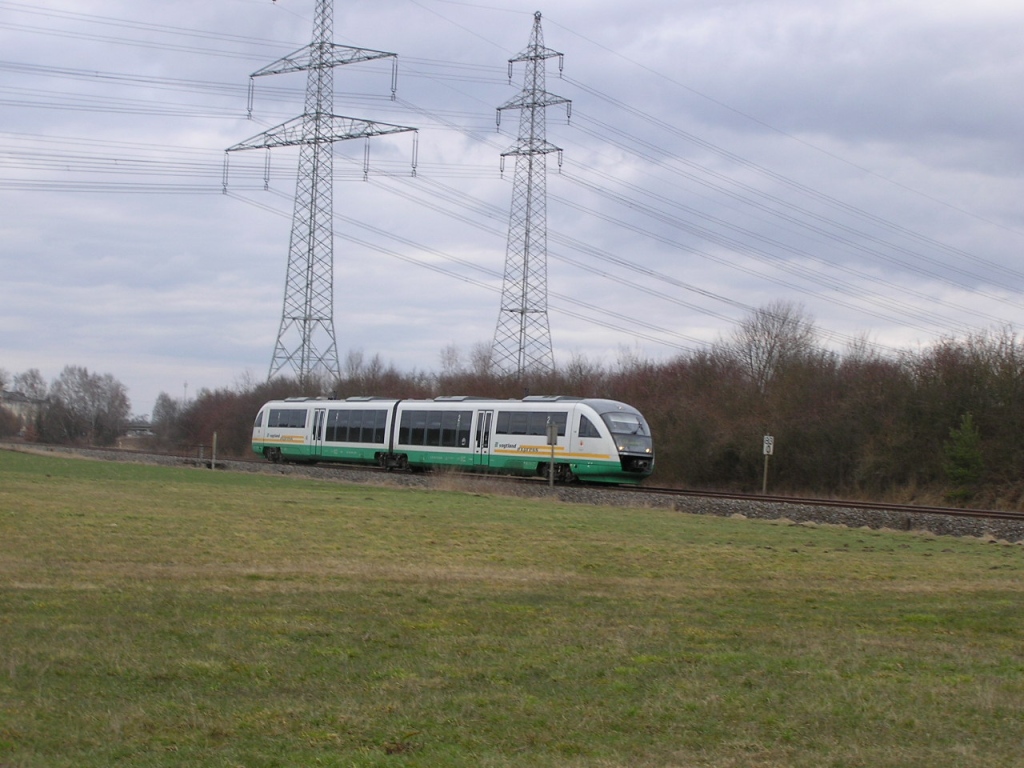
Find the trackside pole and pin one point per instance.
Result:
(213, 459)
(552, 441)
(769, 449)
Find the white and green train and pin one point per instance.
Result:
(591, 440)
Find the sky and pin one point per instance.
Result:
(862, 160)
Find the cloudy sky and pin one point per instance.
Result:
(864, 160)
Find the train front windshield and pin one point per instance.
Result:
(630, 432)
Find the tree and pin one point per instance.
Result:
(85, 408)
(451, 361)
(31, 384)
(772, 336)
(582, 377)
(964, 463)
(166, 417)
(228, 413)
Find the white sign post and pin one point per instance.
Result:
(552, 441)
(769, 449)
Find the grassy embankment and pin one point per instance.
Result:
(167, 617)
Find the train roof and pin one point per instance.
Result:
(601, 405)
(444, 399)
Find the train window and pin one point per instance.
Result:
(537, 424)
(413, 428)
(418, 433)
(287, 418)
(517, 423)
(380, 420)
(355, 426)
(337, 427)
(455, 429)
(587, 428)
(259, 420)
(558, 419)
(483, 430)
(433, 428)
(352, 426)
(361, 428)
(530, 422)
(629, 431)
(624, 423)
(449, 427)
(373, 426)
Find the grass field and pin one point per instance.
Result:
(178, 617)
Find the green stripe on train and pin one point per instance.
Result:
(607, 471)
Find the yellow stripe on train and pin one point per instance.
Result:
(559, 454)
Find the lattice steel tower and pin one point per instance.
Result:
(306, 342)
(522, 338)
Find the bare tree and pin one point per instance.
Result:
(480, 358)
(85, 407)
(772, 336)
(451, 361)
(353, 364)
(31, 384)
(582, 377)
(166, 417)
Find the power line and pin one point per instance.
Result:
(781, 207)
(595, 315)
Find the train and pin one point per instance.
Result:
(588, 440)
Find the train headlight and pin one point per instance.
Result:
(633, 444)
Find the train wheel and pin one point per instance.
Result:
(272, 455)
(564, 474)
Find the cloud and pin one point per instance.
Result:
(861, 159)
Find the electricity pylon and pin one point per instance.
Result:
(305, 341)
(522, 338)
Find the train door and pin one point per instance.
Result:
(589, 445)
(482, 439)
(317, 437)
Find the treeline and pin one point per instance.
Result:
(946, 420)
(942, 421)
(77, 408)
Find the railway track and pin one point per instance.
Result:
(994, 514)
(996, 524)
